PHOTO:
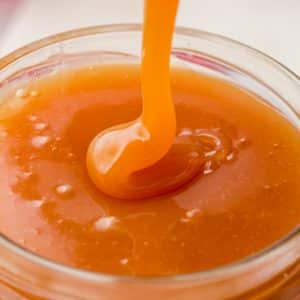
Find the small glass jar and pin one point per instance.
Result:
(273, 273)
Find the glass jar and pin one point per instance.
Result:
(273, 273)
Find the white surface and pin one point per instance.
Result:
(272, 26)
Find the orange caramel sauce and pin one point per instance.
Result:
(244, 198)
(125, 161)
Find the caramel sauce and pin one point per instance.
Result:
(244, 198)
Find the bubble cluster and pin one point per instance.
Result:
(32, 118)
(40, 126)
(191, 213)
(105, 223)
(230, 156)
(64, 190)
(207, 168)
(36, 203)
(25, 175)
(21, 93)
(40, 141)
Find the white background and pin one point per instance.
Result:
(272, 26)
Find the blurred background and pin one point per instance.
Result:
(272, 26)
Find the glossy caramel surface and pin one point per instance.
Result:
(245, 197)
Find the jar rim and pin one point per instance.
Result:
(104, 277)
